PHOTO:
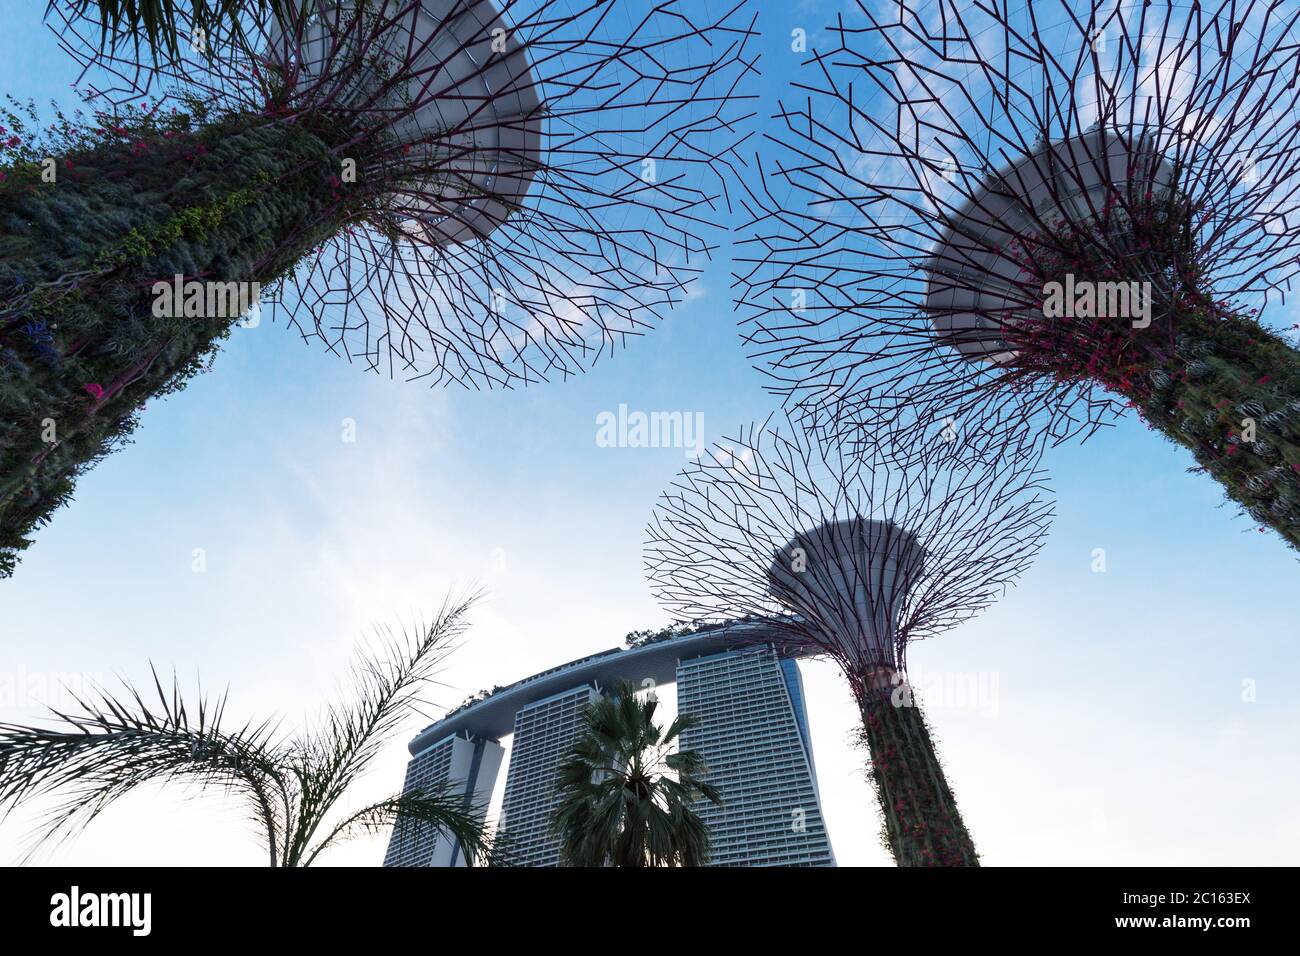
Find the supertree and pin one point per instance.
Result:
(853, 557)
(1049, 213)
(488, 193)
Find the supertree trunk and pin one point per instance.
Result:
(1229, 392)
(922, 824)
(82, 347)
(1206, 375)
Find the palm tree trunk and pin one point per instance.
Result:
(922, 824)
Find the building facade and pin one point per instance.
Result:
(467, 765)
(543, 734)
(753, 733)
(752, 730)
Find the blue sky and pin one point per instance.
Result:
(1115, 726)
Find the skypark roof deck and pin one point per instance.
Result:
(494, 716)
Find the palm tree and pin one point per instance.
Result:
(291, 788)
(617, 806)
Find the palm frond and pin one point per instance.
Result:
(158, 24)
(616, 805)
(438, 809)
(291, 788)
(119, 742)
(385, 689)
(680, 722)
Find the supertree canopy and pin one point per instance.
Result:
(1042, 215)
(854, 557)
(482, 192)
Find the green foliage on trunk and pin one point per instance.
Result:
(1230, 394)
(239, 199)
(1203, 372)
(922, 824)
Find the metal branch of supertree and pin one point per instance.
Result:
(847, 555)
(535, 182)
(939, 163)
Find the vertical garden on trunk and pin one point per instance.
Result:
(84, 343)
(1197, 369)
(923, 826)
